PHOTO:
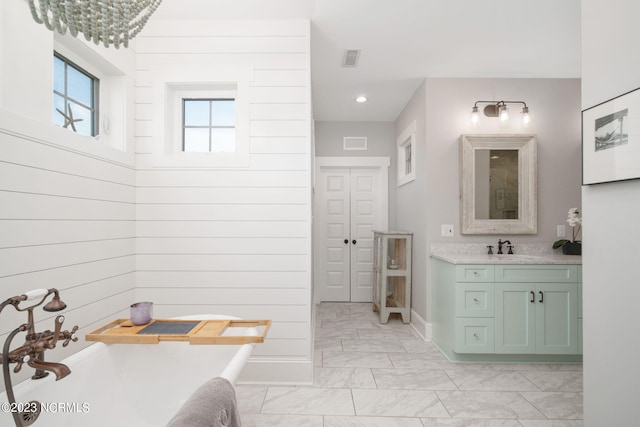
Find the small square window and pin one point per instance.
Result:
(75, 97)
(208, 125)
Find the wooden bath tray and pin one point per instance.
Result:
(121, 331)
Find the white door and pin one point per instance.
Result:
(349, 206)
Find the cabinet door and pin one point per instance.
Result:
(556, 318)
(515, 318)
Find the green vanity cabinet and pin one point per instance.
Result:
(507, 311)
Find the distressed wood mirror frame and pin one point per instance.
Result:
(527, 216)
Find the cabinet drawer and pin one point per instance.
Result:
(537, 273)
(475, 335)
(475, 300)
(474, 273)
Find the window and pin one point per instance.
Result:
(203, 113)
(75, 97)
(208, 125)
(406, 144)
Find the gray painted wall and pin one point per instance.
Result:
(412, 208)
(380, 142)
(442, 110)
(611, 232)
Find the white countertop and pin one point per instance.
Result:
(543, 258)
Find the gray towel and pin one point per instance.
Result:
(213, 404)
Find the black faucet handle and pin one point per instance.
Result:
(490, 252)
(510, 249)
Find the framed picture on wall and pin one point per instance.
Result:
(611, 140)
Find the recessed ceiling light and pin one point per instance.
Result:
(361, 99)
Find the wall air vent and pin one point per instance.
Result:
(354, 143)
(350, 58)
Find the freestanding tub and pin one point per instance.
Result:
(127, 384)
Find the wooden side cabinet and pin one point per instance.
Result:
(392, 274)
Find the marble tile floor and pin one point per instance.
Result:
(369, 374)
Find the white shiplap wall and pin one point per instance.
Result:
(67, 202)
(233, 241)
(67, 220)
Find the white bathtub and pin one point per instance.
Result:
(129, 385)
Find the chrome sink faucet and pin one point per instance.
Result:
(506, 242)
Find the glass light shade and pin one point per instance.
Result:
(526, 119)
(504, 113)
(475, 117)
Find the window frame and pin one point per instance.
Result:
(171, 83)
(95, 108)
(406, 142)
(210, 127)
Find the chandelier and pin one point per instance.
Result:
(112, 22)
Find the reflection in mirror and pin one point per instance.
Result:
(496, 184)
(498, 180)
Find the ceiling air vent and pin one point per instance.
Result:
(350, 58)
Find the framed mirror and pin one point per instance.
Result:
(498, 184)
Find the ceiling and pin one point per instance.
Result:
(404, 41)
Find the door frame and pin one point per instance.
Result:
(326, 162)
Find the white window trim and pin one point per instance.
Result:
(111, 129)
(173, 82)
(406, 138)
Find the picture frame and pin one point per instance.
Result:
(611, 140)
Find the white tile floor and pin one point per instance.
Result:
(372, 375)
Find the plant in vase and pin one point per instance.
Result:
(573, 246)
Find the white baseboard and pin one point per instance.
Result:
(424, 329)
(277, 371)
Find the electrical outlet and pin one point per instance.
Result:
(447, 230)
(561, 231)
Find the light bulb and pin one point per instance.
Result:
(525, 116)
(474, 116)
(361, 99)
(504, 113)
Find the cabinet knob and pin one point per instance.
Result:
(475, 273)
(354, 241)
(475, 300)
(346, 241)
(475, 335)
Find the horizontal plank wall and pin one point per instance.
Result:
(233, 241)
(67, 221)
(67, 202)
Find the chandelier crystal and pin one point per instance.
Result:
(110, 22)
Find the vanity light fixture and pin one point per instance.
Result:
(499, 109)
(361, 99)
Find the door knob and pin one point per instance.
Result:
(354, 241)
(346, 241)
